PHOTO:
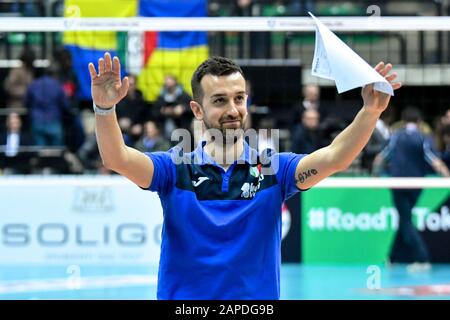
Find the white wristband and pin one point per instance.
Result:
(103, 112)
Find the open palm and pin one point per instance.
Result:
(107, 89)
(378, 101)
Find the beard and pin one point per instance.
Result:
(230, 132)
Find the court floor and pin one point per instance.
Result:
(298, 282)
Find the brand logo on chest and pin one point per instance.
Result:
(199, 181)
(249, 189)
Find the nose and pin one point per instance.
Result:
(233, 110)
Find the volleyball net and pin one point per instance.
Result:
(418, 46)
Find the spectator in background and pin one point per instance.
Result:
(329, 129)
(173, 104)
(333, 112)
(446, 117)
(132, 111)
(18, 80)
(259, 41)
(422, 125)
(407, 154)
(125, 127)
(443, 137)
(306, 136)
(244, 7)
(301, 7)
(27, 8)
(88, 152)
(12, 161)
(66, 75)
(439, 126)
(152, 140)
(445, 151)
(378, 141)
(46, 102)
(310, 100)
(74, 131)
(134, 107)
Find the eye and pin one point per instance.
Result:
(240, 98)
(219, 101)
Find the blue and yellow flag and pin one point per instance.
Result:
(88, 46)
(175, 53)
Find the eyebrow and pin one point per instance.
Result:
(224, 95)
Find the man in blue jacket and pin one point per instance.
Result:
(409, 154)
(221, 237)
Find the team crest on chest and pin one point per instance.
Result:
(249, 189)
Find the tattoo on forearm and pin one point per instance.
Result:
(302, 176)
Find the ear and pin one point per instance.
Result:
(196, 109)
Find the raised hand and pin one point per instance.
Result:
(106, 87)
(378, 101)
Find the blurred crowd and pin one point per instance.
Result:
(45, 131)
(318, 124)
(43, 120)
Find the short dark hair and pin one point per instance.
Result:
(27, 57)
(216, 66)
(411, 114)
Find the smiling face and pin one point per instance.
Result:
(224, 103)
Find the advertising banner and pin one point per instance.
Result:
(82, 220)
(93, 221)
(357, 225)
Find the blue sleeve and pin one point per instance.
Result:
(285, 165)
(387, 151)
(164, 174)
(429, 150)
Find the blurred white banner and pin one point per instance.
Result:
(78, 220)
